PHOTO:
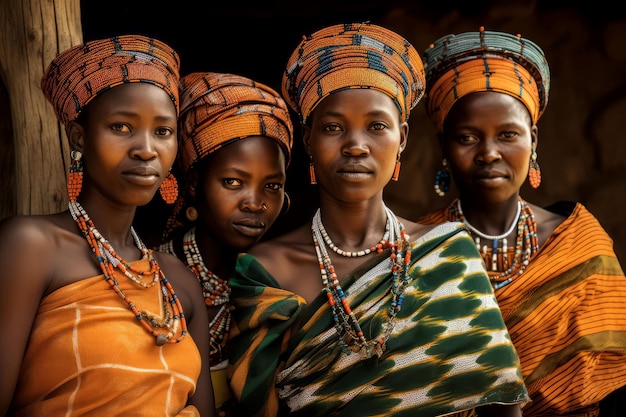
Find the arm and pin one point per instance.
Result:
(26, 265)
(189, 292)
(499, 411)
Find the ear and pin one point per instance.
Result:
(75, 135)
(441, 141)
(534, 136)
(404, 135)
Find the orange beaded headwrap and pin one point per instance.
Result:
(457, 65)
(218, 109)
(357, 55)
(79, 74)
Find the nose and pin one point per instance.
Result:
(143, 146)
(253, 203)
(355, 143)
(489, 152)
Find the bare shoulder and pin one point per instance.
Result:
(290, 259)
(416, 230)
(547, 221)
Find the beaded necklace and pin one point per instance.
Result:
(506, 263)
(349, 332)
(216, 292)
(163, 329)
(375, 248)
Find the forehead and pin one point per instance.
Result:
(487, 103)
(355, 101)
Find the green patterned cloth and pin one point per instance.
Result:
(449, 350)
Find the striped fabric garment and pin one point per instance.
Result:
(449, 351)
(113, 365)
(567, 317)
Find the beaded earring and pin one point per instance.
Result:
(191, 214)
(442, 179)
(286, 204)
(312, 171)
(396, 170)
(534, 173)
(169, 189)
(75, 176)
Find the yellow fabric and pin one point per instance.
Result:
(483, 74)
(80, 73)
(88, 355)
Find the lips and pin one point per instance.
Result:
(142, 175)
(250, 227)
(355, 169)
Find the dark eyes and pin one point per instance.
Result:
(234, 182)
(125, 128)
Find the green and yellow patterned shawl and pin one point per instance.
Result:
(449, 350)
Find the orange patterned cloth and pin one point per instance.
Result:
(457, 65)
(357, 55)
(567, 317)
(219, 108)
(88, 355)
(80, 73)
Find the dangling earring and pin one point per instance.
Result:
(169, 189)
(534, 172)
(286, 204)
(191, 213)
(442, 179)
(396, 170)
(75, 176)
(312, 172)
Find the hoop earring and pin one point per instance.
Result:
(286, 204)
(396, 170)
(312, 171)
(191, 214)
(75, 176)
(534, 172)
(169, 189)
(442, 179)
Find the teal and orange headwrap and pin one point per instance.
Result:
(219, 108)
(457, 65)
(82, 72)
(357, 55)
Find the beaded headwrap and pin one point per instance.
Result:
(82, 72)
(218, 109)
(457, 65)
(356, 55)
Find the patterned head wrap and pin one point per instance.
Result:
(357, 55)
(457, 65)
(79, 74)
(219, 108)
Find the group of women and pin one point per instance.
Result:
(490, 306)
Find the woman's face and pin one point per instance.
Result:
(240, 191)
(128, 139)
(354, 138)
(487, 140)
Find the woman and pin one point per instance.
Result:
(362, 313)
(556, 277)
(97, 324)
(236, 138)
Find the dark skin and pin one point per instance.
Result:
(354, 137)
(487, 140)
(128, 140)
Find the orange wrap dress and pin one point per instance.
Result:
(88, 355)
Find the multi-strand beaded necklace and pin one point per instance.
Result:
(349, 332)
(162, 328)
(504, 263)
(216, 292)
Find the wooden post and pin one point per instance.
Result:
(32, 33)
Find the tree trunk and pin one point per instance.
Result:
(32, 33)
